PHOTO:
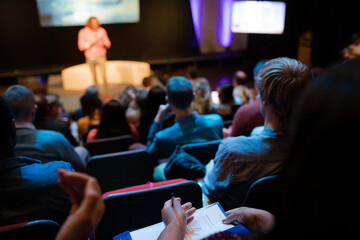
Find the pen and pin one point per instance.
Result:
(172, 199)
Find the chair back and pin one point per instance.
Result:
(119, 170)
(204, 151)
(263, 194)
(109, 145)
(39, 229)
(141, 208)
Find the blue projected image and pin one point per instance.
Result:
(58, 13)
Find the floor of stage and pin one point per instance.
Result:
(71, 98)
(216, 70)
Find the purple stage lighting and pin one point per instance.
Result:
(224, 33)
(196, 11)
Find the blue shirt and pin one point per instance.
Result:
(239, 162)
(29, 191)
(192, 128)
(30, 140)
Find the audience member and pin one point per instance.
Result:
(151, 81)
(225, 108)
(91, 105)
(192, 73)
(136, 105)
(113, 123)
(147, 83)
(127, 95)
(89, 90)
(309, 190)
(241, 160)
(29, 188)
(154, 99)
(202, 102)
(249, 115)
(353, 50)
(33, 142)
(240, 90)
(320, 172)
(312, 181)
(189, 126)
(50, 106)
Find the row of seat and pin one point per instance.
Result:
(139, 206)
(122, 176)
(129, 168)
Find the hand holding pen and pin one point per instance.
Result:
(176, 216)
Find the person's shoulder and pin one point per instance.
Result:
(212, 116)
(168, 132)
(82, 30)
(57, 164)
(101, 29)
(51, 134)
(211, 119)
(44, 173)
(236, 143)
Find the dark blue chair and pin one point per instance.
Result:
(39, 229)
(204, 151)
(128, 211)
(119, 170)
(109, 145)
(264, 194)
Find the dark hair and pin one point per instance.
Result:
(21, 100)
(239, 79)
(320, 174)
(154, 99)
(147, 81)
(6, 119)
(179, 92)
(226, 95)
(42, 109)
(192, 71)
(113, 121)
(89, 102)
(125, 98)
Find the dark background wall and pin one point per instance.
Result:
(166, 31)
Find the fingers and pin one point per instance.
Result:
(187, 205)
(234, 215)
(73, 178)
(189, 215)
(168, 202)
(82, 189)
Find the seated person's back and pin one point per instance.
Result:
(241, 160)
(113, 123)
(189, 126)
(29, 189)
(32, 141)
(48, 116)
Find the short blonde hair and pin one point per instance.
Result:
(280, 82)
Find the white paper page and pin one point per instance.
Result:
(207, 221)
(150, 232)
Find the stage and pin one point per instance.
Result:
(72, 97)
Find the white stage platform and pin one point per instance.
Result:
(79, 77)
(72, 81)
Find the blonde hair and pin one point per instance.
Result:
(280, 82)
